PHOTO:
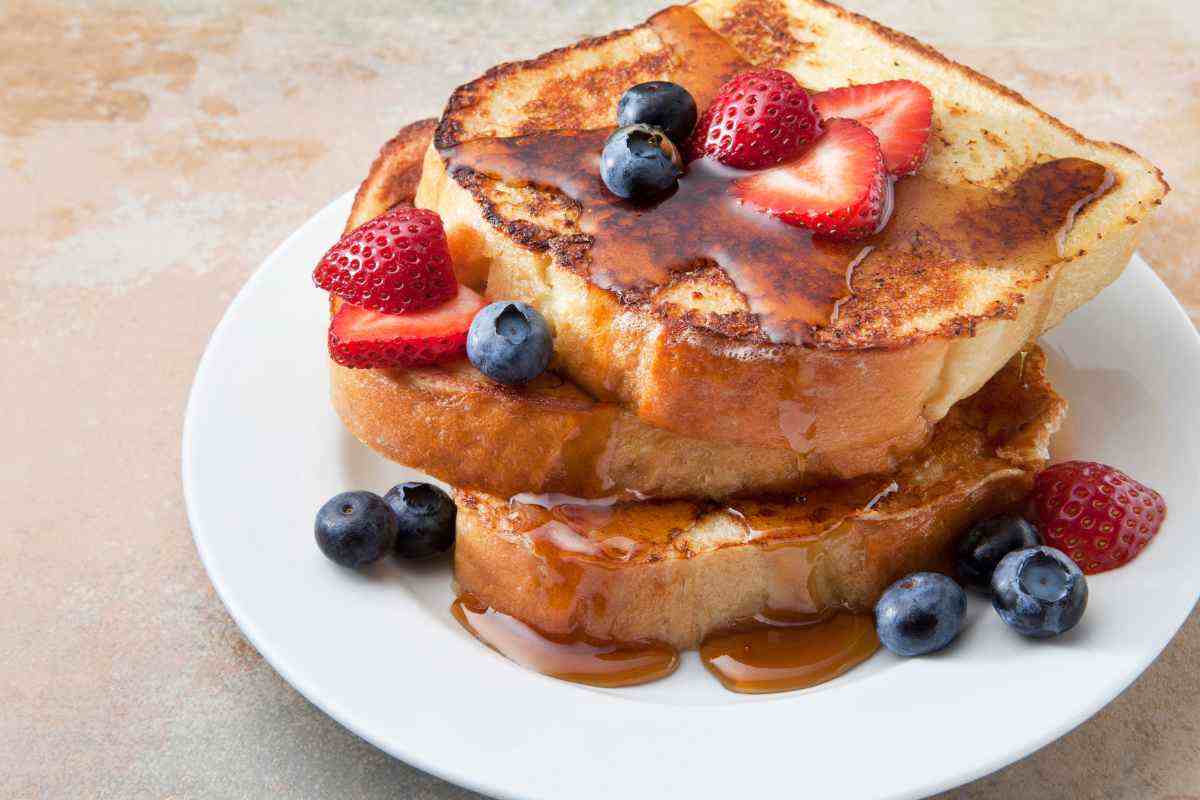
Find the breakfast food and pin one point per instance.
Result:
(720, 327)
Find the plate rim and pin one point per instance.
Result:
(415, 756)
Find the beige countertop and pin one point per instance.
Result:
(153, 153)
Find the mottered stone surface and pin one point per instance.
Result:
(153, 152)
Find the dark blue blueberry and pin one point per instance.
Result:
(355, 528)
(1039, 591)
(920, 614)
(510, 343)
(639, 163)
(659, 104)
(989, 541)
(426, 515)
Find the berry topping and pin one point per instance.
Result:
(639, 162)
(900, 113)
(397, 263)
(510, 343)
(427, 517)
(920, 614)
(359, 337)
(1096, 514)
(759, 118)
(659, 104)
(989, 541)
(837, 188)
(1039, 591)
(355, 528)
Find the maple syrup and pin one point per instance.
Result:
(798, 288)
(571, 657)
(781, 652)
(792, 282)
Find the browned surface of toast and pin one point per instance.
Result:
(676, 570)
(549, 436)
(914, 338)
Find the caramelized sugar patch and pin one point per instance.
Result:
(795, 285)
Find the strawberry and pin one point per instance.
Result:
(759, 118)
(900, 113)
(1096, 514)
(360, 337)
(838, 188)
(396, 263)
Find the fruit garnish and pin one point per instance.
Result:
(510, 343)
(920, 614)
(639, 162)
(1039, 592)
(355, 529)
(659, 104)
(426, 515)
(1096, 514)
(899, 113)
(360, 337)
(986, 543)
(758, 119)
(397, 263)
(838, 188)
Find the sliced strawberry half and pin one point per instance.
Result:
(397, 263)
(361, 337)
(900, 113)
(838, 188)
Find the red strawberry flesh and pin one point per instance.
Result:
(360, 337)
(838, 188)
(900, 113)
(396, 263)
(1096, 514)
(758, 119)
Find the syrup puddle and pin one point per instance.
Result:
(779, 654)
(575, 657)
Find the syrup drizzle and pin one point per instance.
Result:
(793, 283)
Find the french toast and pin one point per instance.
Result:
(675, 571)
(549, 437)
(919, 329)
(724, 399)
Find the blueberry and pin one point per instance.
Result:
(920, 614)
(989, 541)
(660, 104)
(510, 343)
(355, 528)
(639, 162)
(1039, 591)
(426, 515)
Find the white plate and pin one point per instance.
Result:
(262, 450)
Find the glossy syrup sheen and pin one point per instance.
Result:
(572, 657)
(582, 543)
(779, 652)
(792, 282)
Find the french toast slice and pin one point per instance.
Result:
(913, 338)
(675, 571)
(549, 437)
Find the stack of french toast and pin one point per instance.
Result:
(714, 440)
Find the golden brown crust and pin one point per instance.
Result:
(896, 361)
(394, 174)
(675, 571)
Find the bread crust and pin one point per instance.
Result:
(676, 571)
(869, 389)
